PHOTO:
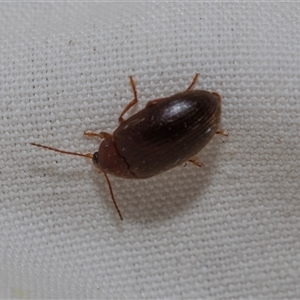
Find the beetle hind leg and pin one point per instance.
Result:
(153, 102)
(131, 103)
(193, 82)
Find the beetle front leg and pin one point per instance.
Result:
(131, 103)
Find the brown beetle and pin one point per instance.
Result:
(165, 134)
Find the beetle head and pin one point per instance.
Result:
(109, 161)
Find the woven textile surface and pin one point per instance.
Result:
(230, 229)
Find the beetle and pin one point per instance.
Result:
(166, 133)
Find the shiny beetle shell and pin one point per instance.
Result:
(161, 136)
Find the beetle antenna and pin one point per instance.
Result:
(87, 155)
(112, 196)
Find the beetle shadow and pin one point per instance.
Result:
(169, 194)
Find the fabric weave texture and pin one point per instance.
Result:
(230, 229)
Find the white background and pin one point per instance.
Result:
(227, 230)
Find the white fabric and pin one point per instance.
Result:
(228, 230)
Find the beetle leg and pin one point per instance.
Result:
(222, 132)
(101, 135)
(196, 163)
(153, 102)
(193, 82)
(131, 103)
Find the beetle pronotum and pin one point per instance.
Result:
(165, 134)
